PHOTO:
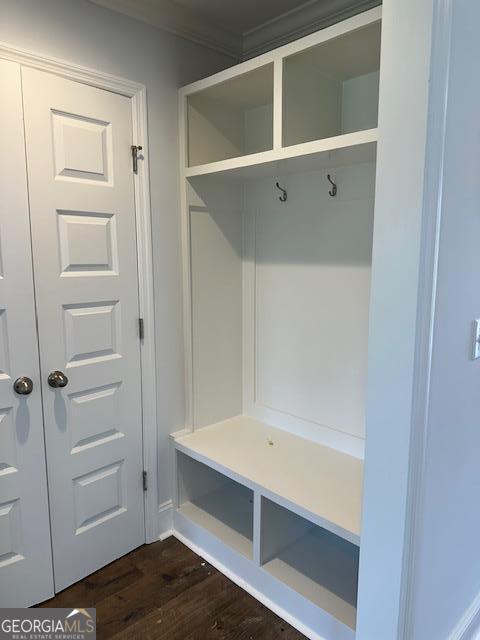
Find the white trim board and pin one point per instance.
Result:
(441, 51)
(165, 520)
(309, 17)
(468, 627)
(137, 93)
(276, 596)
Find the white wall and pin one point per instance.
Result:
(311, 287)
(447, 577)
(86, 34)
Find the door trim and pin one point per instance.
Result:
(137, 93)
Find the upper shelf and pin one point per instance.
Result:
(320, 484)
(350, 148)
(232, 119)
(332, 89)
(316, 95)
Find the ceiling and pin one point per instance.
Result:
(240, 16)
(240, 28)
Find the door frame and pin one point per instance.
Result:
(138, 97)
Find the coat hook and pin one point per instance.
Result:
(283, 197)
(333, 190)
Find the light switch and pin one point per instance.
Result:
(476, 339)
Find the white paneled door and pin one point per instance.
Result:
(26, 573)
(81, 191)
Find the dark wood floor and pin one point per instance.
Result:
(163, 591)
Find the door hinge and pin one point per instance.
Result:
(144, 478)
(141, 329)
(135, 149)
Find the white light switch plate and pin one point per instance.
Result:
(476, 339)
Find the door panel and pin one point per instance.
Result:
(25, 554)
(84, 252)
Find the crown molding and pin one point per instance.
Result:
(180, 21)
(301, 21)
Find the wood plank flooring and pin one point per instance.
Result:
(163, 591)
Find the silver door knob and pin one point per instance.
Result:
(57, 380)
(23, 386)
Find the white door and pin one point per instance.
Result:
(78, 141)
(25, 556)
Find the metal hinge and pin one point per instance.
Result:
(144, 477)
(135, 149)
(141, 329)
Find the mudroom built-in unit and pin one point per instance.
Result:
(278, 173)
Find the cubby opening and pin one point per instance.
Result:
(215, 502)
(231, 119)
(315, 563)
(332, 88)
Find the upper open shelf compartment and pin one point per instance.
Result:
(331, 89)
(308, 99)
(231, 119)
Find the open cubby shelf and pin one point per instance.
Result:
(215, 502)
(230, 119)
(332, 89)
(310, 560)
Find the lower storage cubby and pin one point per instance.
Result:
(315, 563)
(215, 502)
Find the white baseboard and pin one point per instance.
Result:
(288, 604)
(468, 627)
(165, 520)
(294, 622)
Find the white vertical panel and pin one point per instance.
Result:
(216, 264)
(445, 582)
(397, 260)
(360, 103)
(312, 293)
(278, 84)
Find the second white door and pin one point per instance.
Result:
(81, 193)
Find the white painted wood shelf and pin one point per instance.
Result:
(321, 572)
(320, 484)
(342, 150)
(226, 513)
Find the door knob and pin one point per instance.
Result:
(23, 386)
(57, 380)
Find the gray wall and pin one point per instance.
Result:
(86, 34)
(447, 578)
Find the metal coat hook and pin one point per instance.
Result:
(283, 197)
(333, 190)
